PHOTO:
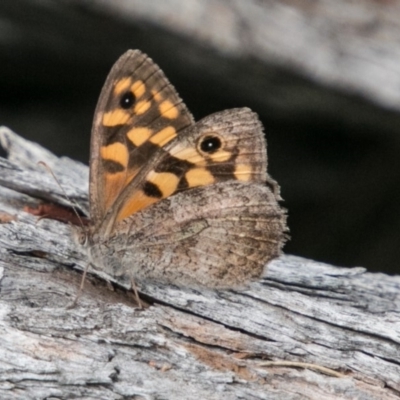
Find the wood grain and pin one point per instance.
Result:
(187, 344)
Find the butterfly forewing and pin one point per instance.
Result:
(138, 113)
(228, 145)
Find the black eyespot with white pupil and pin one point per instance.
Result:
(127, 100)
(210, 144)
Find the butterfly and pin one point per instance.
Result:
(173, 200)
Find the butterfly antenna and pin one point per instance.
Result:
(74, 204)
(75, 207)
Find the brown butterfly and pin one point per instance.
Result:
(172, 200)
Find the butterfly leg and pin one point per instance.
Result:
(137, 298)
(81, 286)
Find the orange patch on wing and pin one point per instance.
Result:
(199, 177)
(115, 183)
(113, 186)
(138, 201)
(165, 181)
(139, 135)
(188, 154)
(121, 85)
(164, 136)
(116, 117)
(243, 172)
(138, 88)
(168, 110)
(141, 107)
(115, 152)
(157, 96)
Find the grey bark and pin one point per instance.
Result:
(188, 344)
(339, 43)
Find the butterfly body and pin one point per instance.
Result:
(172, 200)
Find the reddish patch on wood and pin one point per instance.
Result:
(6, 218)
(59, 213)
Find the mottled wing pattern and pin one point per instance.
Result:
(138, 112)
(228, 145)
(220, 236)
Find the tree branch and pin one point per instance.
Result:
(189, 344)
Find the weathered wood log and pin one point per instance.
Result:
(338, 43)
(188, 344)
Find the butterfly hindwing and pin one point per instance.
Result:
(216, 236)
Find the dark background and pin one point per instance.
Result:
(334, 152)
